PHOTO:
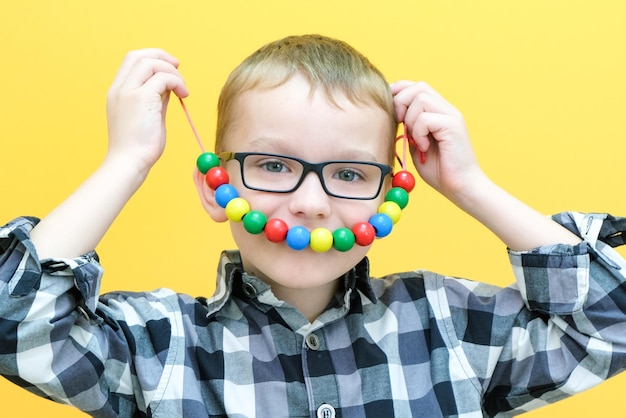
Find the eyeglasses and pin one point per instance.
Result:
(358, 180)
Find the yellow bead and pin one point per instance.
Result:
(392, 210)
(321, 240)
(236, 209)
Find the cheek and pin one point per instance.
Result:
(244, 239)
(268, 203)
(360, 211)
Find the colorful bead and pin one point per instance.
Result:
(216, 176)
(398, 195)
(224, 194)
(254, 222)
(382, 223)
(237, 208)
(392, 210)
(206, 161)
(321, 240)
(276, 230)
(298, 238)
(403, 179)
(343, 239)
(364, 233)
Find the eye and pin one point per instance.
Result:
(274, 166)
(348, 174)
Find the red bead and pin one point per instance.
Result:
(403, 179)
(276, 230)
(216, 176)
(364, 233)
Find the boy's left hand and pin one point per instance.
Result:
(439, 131)
(451, 168)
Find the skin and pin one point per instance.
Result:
(286, 120)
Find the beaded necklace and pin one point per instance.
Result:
(298, 237)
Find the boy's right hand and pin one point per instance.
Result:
(136, 106)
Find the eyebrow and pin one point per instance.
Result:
(287, 148)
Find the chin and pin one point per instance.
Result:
(298, 269)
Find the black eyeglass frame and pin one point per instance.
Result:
(308, 167)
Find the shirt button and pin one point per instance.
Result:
(249, 290)
(313, 342)
(326, 411)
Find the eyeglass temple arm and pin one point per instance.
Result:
(226, 156)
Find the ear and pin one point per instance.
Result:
(207, 198)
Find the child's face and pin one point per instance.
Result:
(289, 120)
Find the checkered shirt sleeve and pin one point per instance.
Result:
(570, 332)
(59, 342)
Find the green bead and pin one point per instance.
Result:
(399, 196)
(206, 161)
(254, 222)
(343, 239)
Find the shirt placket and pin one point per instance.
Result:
(319, 372)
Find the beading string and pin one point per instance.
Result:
(193, 128)
(406, 141)
(298, 237)
(404, 146)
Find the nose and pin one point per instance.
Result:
(310, 200)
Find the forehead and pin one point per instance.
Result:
(296, 120)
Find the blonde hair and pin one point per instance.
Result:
(329, 64)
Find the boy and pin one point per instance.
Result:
(307, 333)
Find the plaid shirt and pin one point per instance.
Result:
(410, 344)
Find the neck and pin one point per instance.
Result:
(311, 302)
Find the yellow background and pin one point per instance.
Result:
(541, 84)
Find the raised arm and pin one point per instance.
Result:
(452, 169)
(136, 107)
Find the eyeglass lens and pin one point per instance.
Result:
(283, 174)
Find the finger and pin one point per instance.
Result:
(132, 57)
(401, 103)
(399, 85)
(428, 127)
(165, 82)
(410, 95)
(421, 104)
(144, 69)
(417, 97)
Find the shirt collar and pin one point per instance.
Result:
(230, 271)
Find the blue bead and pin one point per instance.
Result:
(298, 238)
(382, 224)
(224, 194)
